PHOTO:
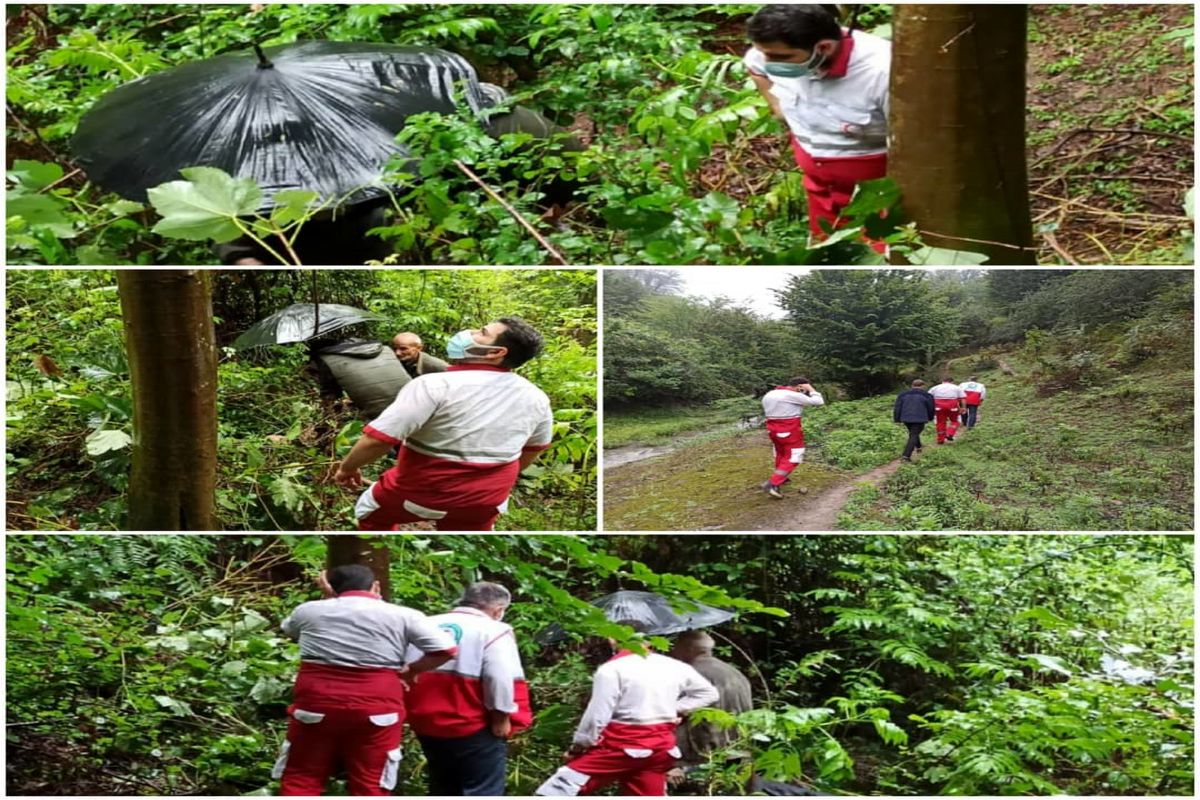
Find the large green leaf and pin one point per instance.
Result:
(34, 175)
(205, 206)
(39, 211)
(104, 441)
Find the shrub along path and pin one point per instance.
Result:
(1112, 456)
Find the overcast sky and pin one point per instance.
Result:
(749, 286)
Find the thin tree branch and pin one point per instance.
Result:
(549, 248)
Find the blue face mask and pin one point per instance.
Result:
(462, 341)
(789, 69)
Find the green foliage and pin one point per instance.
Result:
(675, 137)
(662, 349)
(156, 662)
(1080, 430)
(860, 328)
(275, 440)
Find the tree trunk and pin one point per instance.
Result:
(173, 370)
(370, 551)
(957, 126)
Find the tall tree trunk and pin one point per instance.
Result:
(957, 146)
(370, 551)
(173, 369)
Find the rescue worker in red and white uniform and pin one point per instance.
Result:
(464, 435)
(948, 398)
(464, 711)
(627, 734)
(973, 392)
(348, 701)
(782, 406)
(830, 85)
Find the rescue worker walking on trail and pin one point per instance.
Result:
(464, 435)
(948, 399)
(464, 711)
(627, 734)
(914, 409)
(783, 406)
(348, 701)
(974, 392)
(830, 85)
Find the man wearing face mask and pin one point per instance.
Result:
(464, 436)
(830, 86)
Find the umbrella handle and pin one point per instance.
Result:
(263, 61)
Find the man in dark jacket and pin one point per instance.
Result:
(698, 740)
(366, 371)
(914, 409)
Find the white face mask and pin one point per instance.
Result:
(790, 69)
(462, 342)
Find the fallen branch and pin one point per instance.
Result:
(1139, 132)
(1056, 247)
(976, 241)
(1146, 178)
(549, 248)
(1075, 203)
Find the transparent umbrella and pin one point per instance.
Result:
(300, 322)
(651, 609)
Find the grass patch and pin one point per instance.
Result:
(653, 426)
(706, 487)
(1111, 457)
(713, 480)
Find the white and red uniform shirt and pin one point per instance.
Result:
(947, 395)
(453, 701)
(637, 699)
(351, 647)
(784, 402)
(974, 391)
(841, 110)
(463, 432)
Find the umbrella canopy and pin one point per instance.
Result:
(321, 116)
(656, 613)
(300, 322)
(653, 610)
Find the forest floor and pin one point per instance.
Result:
(1110, 126)
(1110, 129)
(1112, 457)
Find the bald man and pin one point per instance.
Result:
(410, 351)
(697, 739)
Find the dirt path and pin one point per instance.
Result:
(821, 512)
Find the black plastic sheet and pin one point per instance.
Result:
(323, 116)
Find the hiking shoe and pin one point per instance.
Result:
(906, 458)
(774, 491)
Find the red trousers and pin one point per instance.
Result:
(947, 422)
(367, 746)
(383, 511)
(830, 183)
(787, 435)
(606, 764)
